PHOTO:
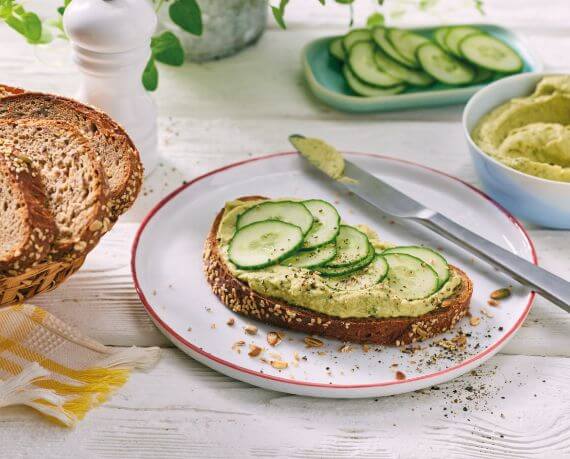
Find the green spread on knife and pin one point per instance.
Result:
(322, 155)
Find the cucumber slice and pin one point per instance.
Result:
(366, 90)
(264, 243)
(444, 67)
(439, 37)
(379, 35)
(334, 272)
(430, 256)
(326, 224)
(374, 273)
(394, 68)
(361, 61)
(409, 277)
(490, 53)
(312, 258)
(407, 44)
(353, 37)
(455, 35)
(285, 211)
(352, 246)
(336, 50)
(482, 75)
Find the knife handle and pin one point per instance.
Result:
(547, 284)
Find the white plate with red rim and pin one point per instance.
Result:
(167, 271)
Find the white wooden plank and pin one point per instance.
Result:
(516, 407)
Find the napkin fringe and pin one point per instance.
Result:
(65, 403)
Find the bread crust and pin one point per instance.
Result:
(241, 299)
(126, 191)
(39, 225)
(9, 90)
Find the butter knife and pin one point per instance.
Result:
(391, 201)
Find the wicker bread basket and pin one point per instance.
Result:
(38, 279)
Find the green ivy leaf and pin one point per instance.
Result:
(375, 19)
(150, 76)
(166, 48)
(187, 15)
(479, 6)
(279, 13)
(427, 4)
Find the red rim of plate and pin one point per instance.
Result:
(241, 369)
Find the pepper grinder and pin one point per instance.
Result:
(111, 46)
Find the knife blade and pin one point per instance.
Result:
(392, 201)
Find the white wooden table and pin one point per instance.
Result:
(220, 112)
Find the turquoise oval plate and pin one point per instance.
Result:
(325, 79)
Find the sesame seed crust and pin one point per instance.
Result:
(38, 226)
(240, 298)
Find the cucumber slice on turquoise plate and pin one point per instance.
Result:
(355, 36)
(379, 35)
(366, 90)
(394, 68)
(407, 44)
(264, 243)
(361, 61)
(285, 211)
(439, 37)
(326, 225)
(368, 277)
(455, 35)
(430, 256)
(336, 50)
(443, 66)
(312, 258)
(488, 52)
(409, 277)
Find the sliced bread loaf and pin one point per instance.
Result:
(118, 155)
(71, 176)
(27, 229)
(9, 90)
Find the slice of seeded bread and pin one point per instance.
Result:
(27, 229)
(237, 296)
(71, 176)
(117, 153)
(9, 90)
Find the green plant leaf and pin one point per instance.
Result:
(166, 48)
(279, 13)
(344, 2)
(150, 76)
(375, 19)
(427, 4)
(479, 6)
(187, 15)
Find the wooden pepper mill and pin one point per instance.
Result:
(111, 46)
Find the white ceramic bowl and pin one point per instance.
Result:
(536, 200)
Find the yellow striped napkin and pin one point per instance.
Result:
(53, 368)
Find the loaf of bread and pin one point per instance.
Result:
(113, 147)
(71, 175)
(27, 229)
